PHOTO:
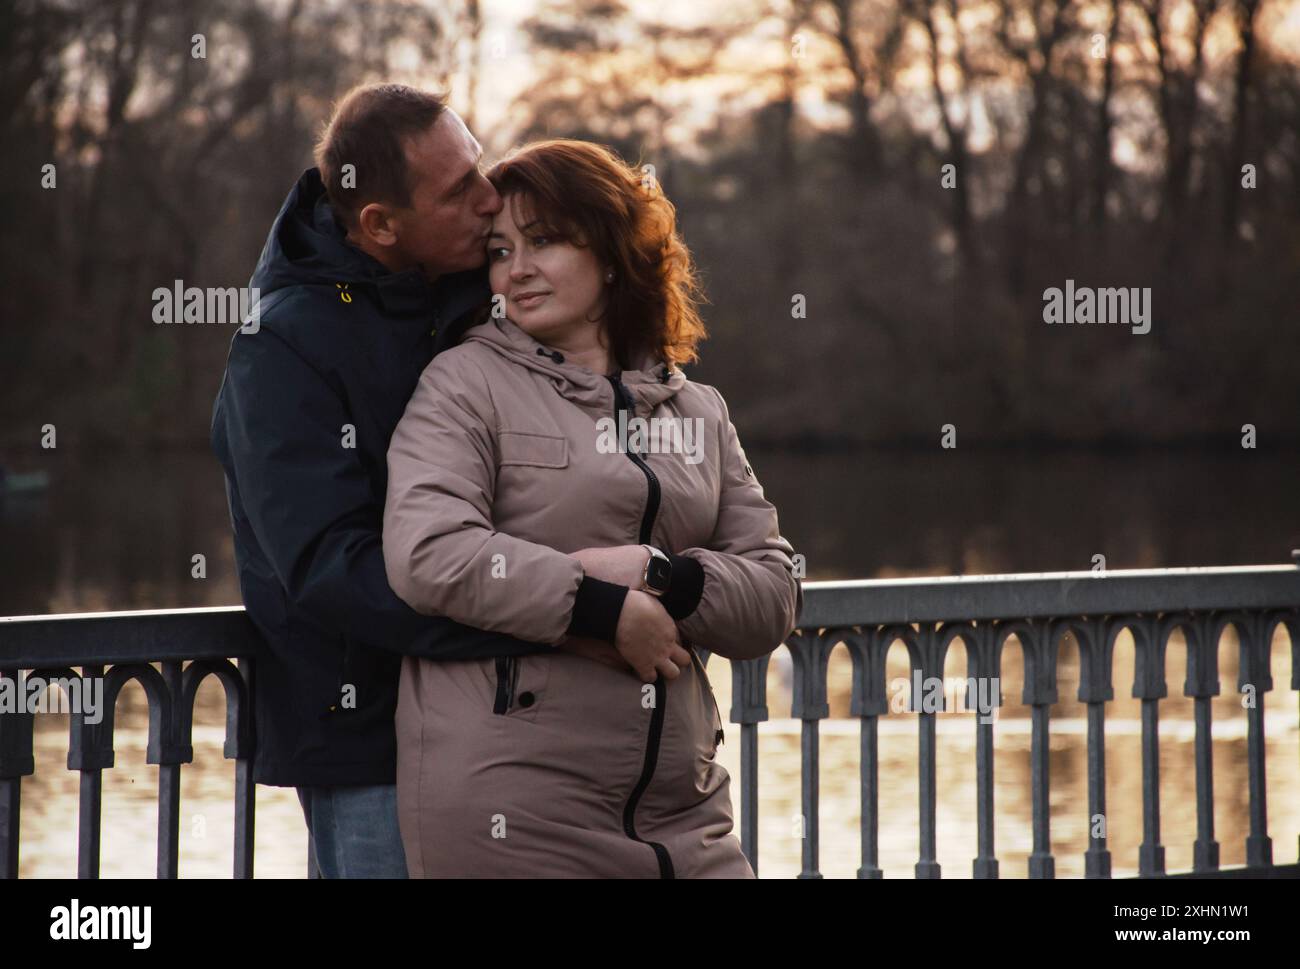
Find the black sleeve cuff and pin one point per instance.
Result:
(596, 609)
(683, 596)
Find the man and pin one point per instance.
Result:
(373, 260)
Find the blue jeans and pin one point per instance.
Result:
(354, 831)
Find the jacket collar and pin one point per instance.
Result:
(650, 383)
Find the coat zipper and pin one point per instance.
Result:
(623, 400)
(507, 678)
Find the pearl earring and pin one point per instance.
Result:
(609, 277)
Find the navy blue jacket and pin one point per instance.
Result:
(338, 349)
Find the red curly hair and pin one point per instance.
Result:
(585, 194)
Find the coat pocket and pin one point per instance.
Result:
(533, 450)
(521, 685)
(317, 682)
(719, 734)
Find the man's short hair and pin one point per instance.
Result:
(369, 131)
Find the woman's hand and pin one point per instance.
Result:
(647, 638)
(620, 564)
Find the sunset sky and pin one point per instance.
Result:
(748, 70)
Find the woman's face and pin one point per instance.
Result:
(551, 288)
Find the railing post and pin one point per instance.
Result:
(1201, 633)
(169, 782)
(810, 705)
(16, 762)
(1038, 639)
(1293, 632)
(87, 756)
(1256, 678)
(1096, 640)
(749, 709)
(1149, 687)
(984, 662)
(869, 702)
(927, 649)
(245, 789)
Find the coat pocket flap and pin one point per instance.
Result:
(533, 450)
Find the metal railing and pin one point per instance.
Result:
(170, 653)
(188, 645)
(928, 615)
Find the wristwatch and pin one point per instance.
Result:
(658, 573)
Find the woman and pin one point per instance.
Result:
(513, 505)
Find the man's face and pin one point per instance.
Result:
(444, 230)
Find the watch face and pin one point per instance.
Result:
(659, 573)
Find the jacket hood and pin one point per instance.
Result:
(650, 384)
(306, 245)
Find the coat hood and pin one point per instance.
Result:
(306, 245)
(650, 384)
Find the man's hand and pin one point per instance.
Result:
(647, 638)
(620, 564)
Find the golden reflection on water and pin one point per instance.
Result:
(49, 804)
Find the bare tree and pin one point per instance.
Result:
(1177, 100)
(1244, 13)
(1103, 165)
(956, 126)
(1049, 22)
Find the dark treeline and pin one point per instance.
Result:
(860, 289)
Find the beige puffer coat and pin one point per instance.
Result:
(553, 764)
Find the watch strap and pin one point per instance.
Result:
(683, 596)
